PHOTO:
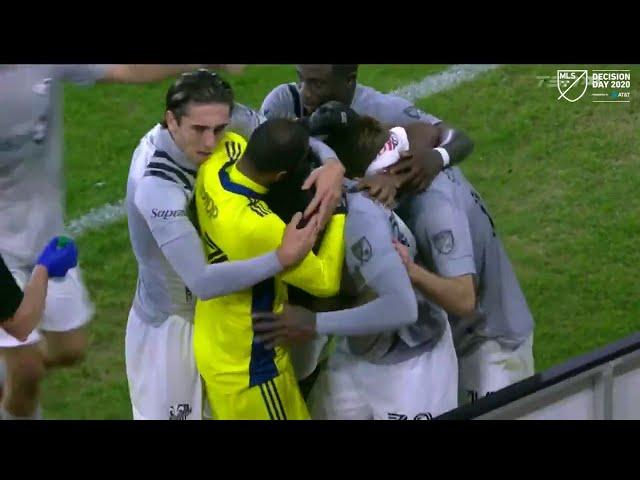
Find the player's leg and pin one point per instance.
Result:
(335, 395)
(163, 381)
(24, 371)
(24, 368)
(491, 367)
(420, 388)
(67, 311)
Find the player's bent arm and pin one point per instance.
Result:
(399, 112)
(181, 245)
(318, 274)
(456, 295)
(29, 312)
(129, 73)
(444, 229)
(394, 307)
(279, 103)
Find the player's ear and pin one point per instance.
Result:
(170, 119)
(281, 176)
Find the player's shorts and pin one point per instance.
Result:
(351, 388)
(490, 367)
(67, 306)
(277, 399)
(164, 383)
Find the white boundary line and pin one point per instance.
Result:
(453, 76)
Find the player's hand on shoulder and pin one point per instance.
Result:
(381, 187)
(418, 169)
(59, 256)
(328, 183)
(297, 242)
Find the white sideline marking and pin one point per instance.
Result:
(453, 76)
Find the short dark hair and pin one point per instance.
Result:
(277, 145)
(358, 145)
(200, 86)
(344, 70)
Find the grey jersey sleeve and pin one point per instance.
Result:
(443, 229)
(398, 112)
(82, 74)
(279, 103)
(163, 206)
(245, 120)
(373, 263)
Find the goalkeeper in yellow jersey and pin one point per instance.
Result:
(243, 379)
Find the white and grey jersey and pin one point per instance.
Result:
(394, 326)
(159, 189)
(172, 270)
(389, 109)
(31, 142)
(456, 236)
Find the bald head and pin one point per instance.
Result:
(278, 145)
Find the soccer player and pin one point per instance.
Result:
(21, 311)
(31, 201)
(396, 359)
(319, 84)
(474, 281)
(200, 119)
(243, 379)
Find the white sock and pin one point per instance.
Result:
(5, 415)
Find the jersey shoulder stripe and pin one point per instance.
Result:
(297, 103)
(166, 156)
(188, 183)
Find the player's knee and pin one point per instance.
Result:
(67, 350)
(71, 355)
(25, 371)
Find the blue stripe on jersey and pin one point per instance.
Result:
(230, 186)
(262, 366)
(297, 104)
(166, 156)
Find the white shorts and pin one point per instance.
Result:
(67, 306)
(164, 383)
(423, 387)
(490, 367)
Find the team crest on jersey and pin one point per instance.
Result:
(180, 411)
(412, 112)
(362, 250)
(443, 242)
(42, 88)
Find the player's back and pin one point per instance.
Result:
(228, 207)
(412, 340)
(502, 310)
(156, 172)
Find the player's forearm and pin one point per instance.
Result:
(206, 281)
(457, 144)
(390, 311)
(320, 274)
(29, 313)
(455, 295)
(144, 73)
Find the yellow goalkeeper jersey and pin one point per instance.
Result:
(236, 224)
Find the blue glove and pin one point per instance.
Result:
(59, 256)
